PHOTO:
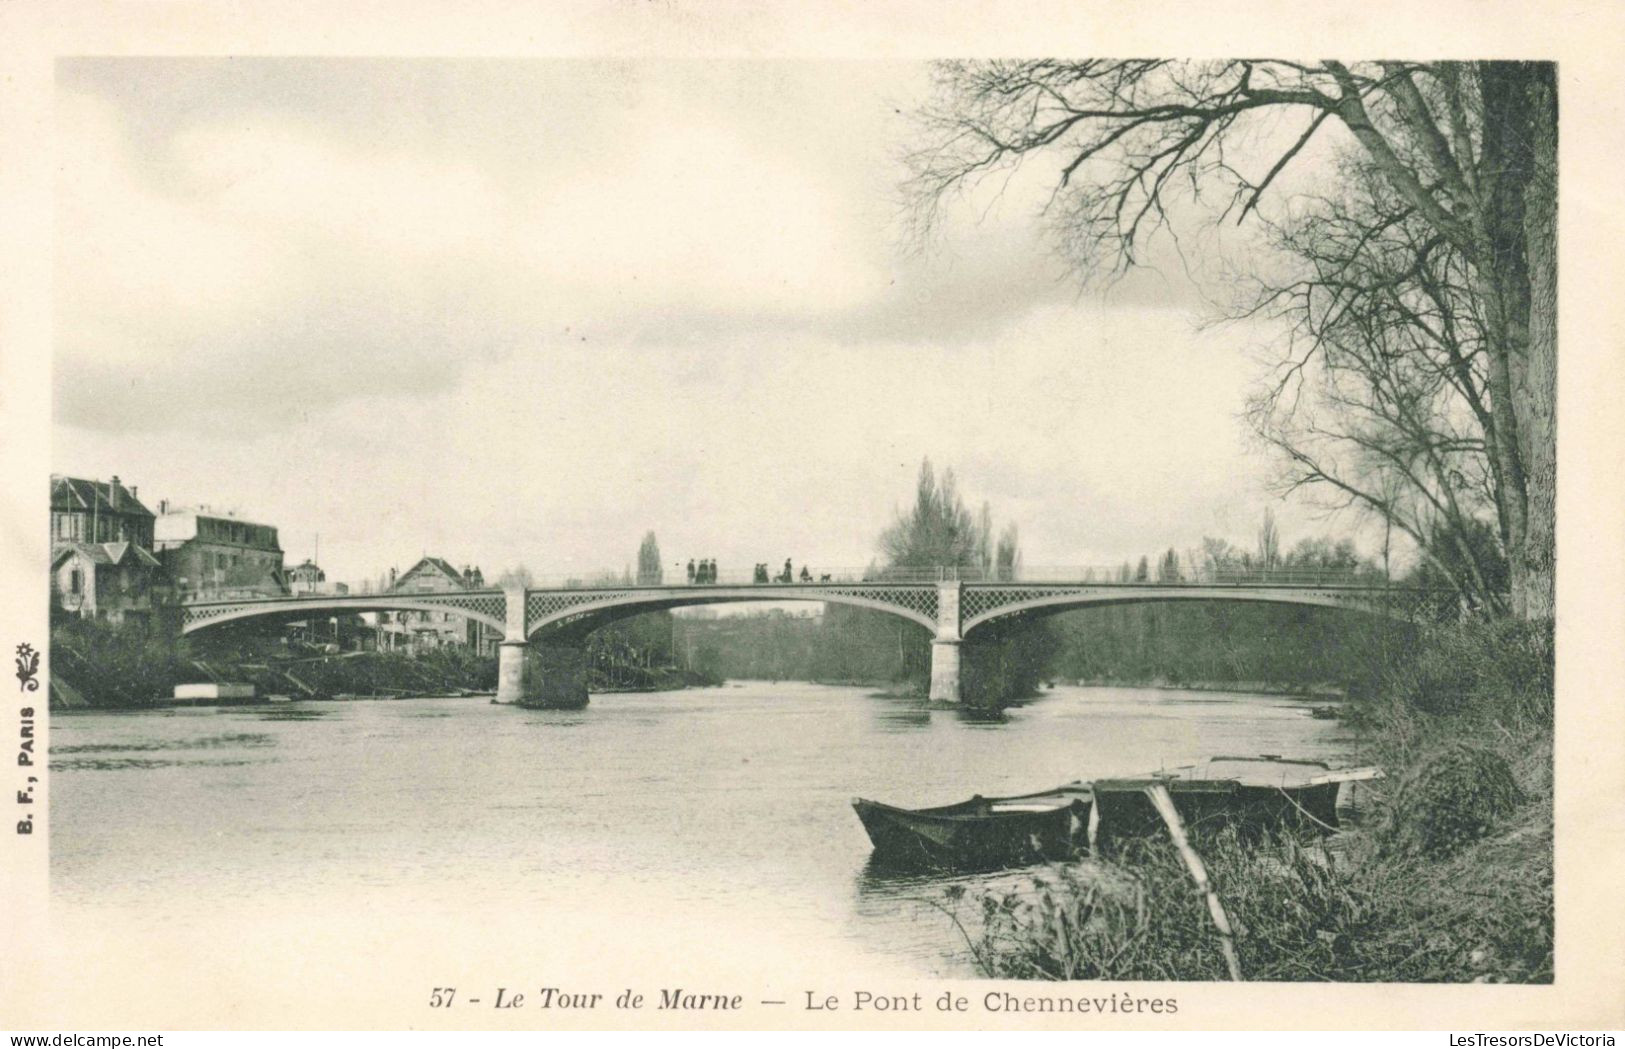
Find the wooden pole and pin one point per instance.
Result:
(1158, 793)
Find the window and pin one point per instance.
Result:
(76, 581)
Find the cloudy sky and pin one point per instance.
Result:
(523, 311)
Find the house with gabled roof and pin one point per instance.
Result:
(98, 512)
(102, 563)
(418, 631)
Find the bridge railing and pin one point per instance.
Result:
(1104, 575)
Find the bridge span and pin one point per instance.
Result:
(957, 611)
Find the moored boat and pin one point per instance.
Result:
(1251, 794)
(981, 832)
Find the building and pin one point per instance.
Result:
(307, 580)
(102, 564)
(418, 631)
(98, 512)
(215, 556)
(118, 582)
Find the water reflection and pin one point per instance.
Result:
(235, 739)
(902, 719)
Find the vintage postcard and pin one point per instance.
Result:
(782, 516)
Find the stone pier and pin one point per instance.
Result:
(945, 677)
(537, 674)
(511, 672)
(513, 650)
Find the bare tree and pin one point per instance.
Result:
(1469, 148)
(1380, 399)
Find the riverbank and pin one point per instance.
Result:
(1328, 691)
(96, 667)
(1448, 878)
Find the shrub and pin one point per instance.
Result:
(1299, 912)
(1451, 796)
(1494, 669)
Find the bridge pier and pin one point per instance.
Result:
(945, 678)
(512, 652)
(945, 686)
(511, 672)
(550, 676)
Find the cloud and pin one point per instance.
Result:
(546, 306)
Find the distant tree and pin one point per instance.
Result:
(1142, 571)
(650, 571)
(1326, 555)
(518, 575)
(1007, 555)
(937, 531)
(1269, 542)
(1168, 568)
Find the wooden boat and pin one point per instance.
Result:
(1251, 794)
(981, 832)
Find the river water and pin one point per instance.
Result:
(649, 824)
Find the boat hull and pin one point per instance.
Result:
(1250, 795)
(976, 834)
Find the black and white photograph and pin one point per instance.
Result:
(656, 537)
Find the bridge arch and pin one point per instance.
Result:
(590, 610)
(983, 617)
(479, 608)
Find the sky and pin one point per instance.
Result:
(523, 312)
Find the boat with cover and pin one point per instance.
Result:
(1251, 794)
(981, 832)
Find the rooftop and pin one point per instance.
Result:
(74, 494)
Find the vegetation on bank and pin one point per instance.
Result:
(1448, 877)
(113, 668)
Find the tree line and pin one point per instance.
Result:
(1197, 643)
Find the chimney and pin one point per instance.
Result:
(112, 492)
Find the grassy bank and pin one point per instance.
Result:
(1448, 878)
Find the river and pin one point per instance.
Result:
(673, 825)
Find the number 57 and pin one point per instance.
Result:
(440, 997)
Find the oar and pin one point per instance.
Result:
(1158, 793)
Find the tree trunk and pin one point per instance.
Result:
(1538, 427)
(1518, 273)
